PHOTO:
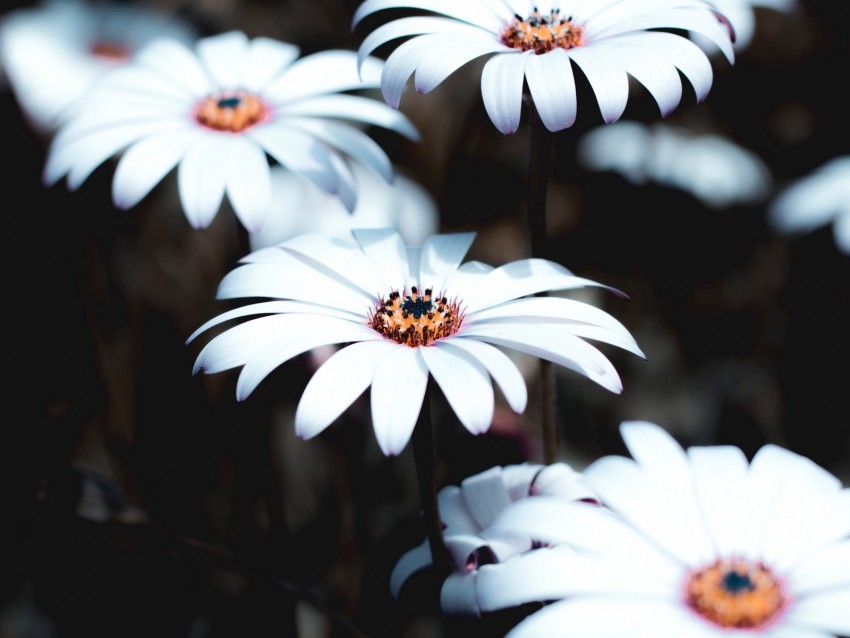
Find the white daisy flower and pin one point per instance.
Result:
(215, 113)
(408, 312)
(468, 511)
(816, 200)
(537, 41)
(403, 205)
(710, 167)
(53, 52)
(700, 543)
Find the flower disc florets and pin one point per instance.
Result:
(542, 32)
(414, 319)
(735, 594)
(232, 111)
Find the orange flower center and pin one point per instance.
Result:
(112, 51)
(414, 319)
(541, 33)
(232, 111)
(735, 594)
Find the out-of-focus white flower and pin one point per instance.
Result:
(816, 200)
(52, 53)
(297, 207)
(742, 17)
(710, 167)
(537, 41)
(700, 543)
(467, 513)
(409, 313)
(215, 113)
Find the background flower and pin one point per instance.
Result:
(538, 42)
(430, 317)
(215, 113)
(53, 52)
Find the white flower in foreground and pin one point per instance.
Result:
(215, 114)
(408, 312)
(53, 52)
(816, 200)
(701, 544)
(467, 513)
(537, 41)
(712, 168)
(298, 207)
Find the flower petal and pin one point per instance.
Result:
(553, 88)
(173, 60)
(455, 51)
(397, 393)
(501, 88)
(410, 562)
(607, 77)
(352, 107)
(386, 249)
(299, 152)
(440, 257)
(201, 179)
(485, 495)
(825, 611)
(225, 56)
(248, 182)
(324, 72)
(500, 367)
(265, 59)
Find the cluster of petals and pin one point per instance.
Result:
(614, 39)
(710, 167)
(816, 200)
(325, 291)
(53, 52)
(670, 517)
(467, 512)
(151, 112)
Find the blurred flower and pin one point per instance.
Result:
(297, 207)
(710, 167)
(816, 200)
(701, 543)
(409, 312)
(216, 114)
(742, 17)
(52, 53)
(536, 41)
(467, 512)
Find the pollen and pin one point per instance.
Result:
(110, 51)
(416, 319)
(736, 594)
(542, 32)
(232, 111)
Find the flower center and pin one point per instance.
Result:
(541, 32)
(111, 51)
(414, 319)
(735, 594)
(232, 111)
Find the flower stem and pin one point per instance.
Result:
(540, 152)
(423, 452)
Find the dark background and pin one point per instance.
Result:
(139, 500)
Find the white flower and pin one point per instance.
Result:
(701, 544)
(297, 207)
(710, 167)
(215, 114)
(467, 513)
(409, 312)
(816, 200)
(536, 41)
(53, 52)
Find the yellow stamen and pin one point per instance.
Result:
(232, 111)
(542, 33)
(414, 319)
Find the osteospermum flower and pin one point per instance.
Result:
(53, 52)
(700, 543)
(409, 312)
(538, 41)
(403, 205)
(816, 200)
(710, 167)
(215, 113)
(468, 510)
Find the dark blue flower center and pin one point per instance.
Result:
(229, 102)
(736, 583)
(417, 307)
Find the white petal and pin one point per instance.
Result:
(455, 51)
(652, 68)
(401, 64)
(485, 495)
(607, 78)
(518, 479)
(337, 384)
(440, 257)
(841, 232)
(299, 152)
(346, 184)
(201, 178)
(313, 331)
(501, 368)
(561, 481)
(235, 346)
(145, 163)
(324, 72)
(397, 393)
(465, 384)
(265, 59)
(501, 88)
(248, 182)
(411, 26)
(827, 569)
(458, 595)
(225, 56)
(472, 12)
(387, 252)
(454, 513)
(827, 611)
(411, 562)
(553, 88)
(174, 61)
